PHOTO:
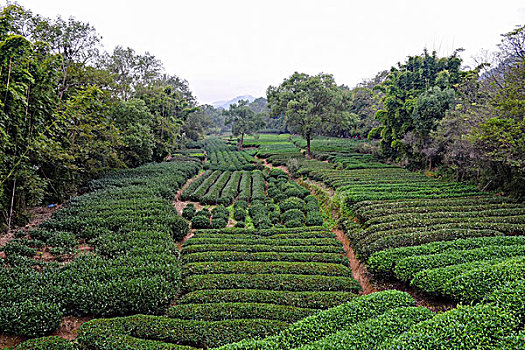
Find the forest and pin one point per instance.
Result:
(388, 215)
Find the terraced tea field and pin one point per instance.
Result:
(276, 277)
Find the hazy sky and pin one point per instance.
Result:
(226, 48)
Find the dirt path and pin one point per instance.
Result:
(180, 204)
(38, 214)
(359, 271)
(271, 166)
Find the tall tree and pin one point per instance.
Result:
(417, 95)
(309, 103)
(243, 120)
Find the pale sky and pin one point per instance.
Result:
(226, 48)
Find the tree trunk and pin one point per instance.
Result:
(241, 142)
(308, 146)
(11, 208)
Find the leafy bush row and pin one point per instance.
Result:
(328, 322)
(467, 327)
(229, 192)
(310, 300)
(131, 223)
(214, 191)
(251, 240)
(281, 267)
(138, 332)
(371, 333)
(384, 261)
(260, 248)
(228, 311)
(336, 258)
(288, 282)
(407, 268)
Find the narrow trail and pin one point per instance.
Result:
(271, 166)
(359, 271)
(180, 204)
(38, 214)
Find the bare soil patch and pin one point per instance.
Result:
(271, 166)
(38, 214)
(180, 204)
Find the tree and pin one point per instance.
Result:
(243, 120)
(309, 103)
(417, 95)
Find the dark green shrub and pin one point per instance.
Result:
(292, 203)
(478, 327)
(33, 319)
(189, 211)
(48, 343)
(179, 228)
(225, 311)
(313, 219)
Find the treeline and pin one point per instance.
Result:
(429, 113)
(69, 110)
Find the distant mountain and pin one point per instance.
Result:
(226, 104)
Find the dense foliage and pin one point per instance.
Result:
(70, 112)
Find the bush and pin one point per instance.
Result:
(478, 327)
(374, 331)
(327, 322)
(293, 215)
(134, 332)
(272, 282)
(225, 311)
(189, 211)
(292, 203)
(48, 343)
(313, 219)
(201, 219)
(179, 228)
(311, 300)
(33, 319)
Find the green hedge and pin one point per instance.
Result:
(328, 322)
(254, 248)
(367, 247)
(407, 268)
(139, 332)
(478, 327)
(510, 296)
(335, 258)
(273, 282)
(247, 240)
(311, 300)
(478, 283)
(278, 267)
(226, 311)
(48, 343)
(371, 333)
(384, 261)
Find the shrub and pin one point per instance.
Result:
(179, 228)
(292, 203)
(48, 343)
(294, 215)
(374, 331)
(311, 300)
(478, 327)
(272, 282)
(225, 311)
(33, 319)
(189, 211)
(330, 321)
